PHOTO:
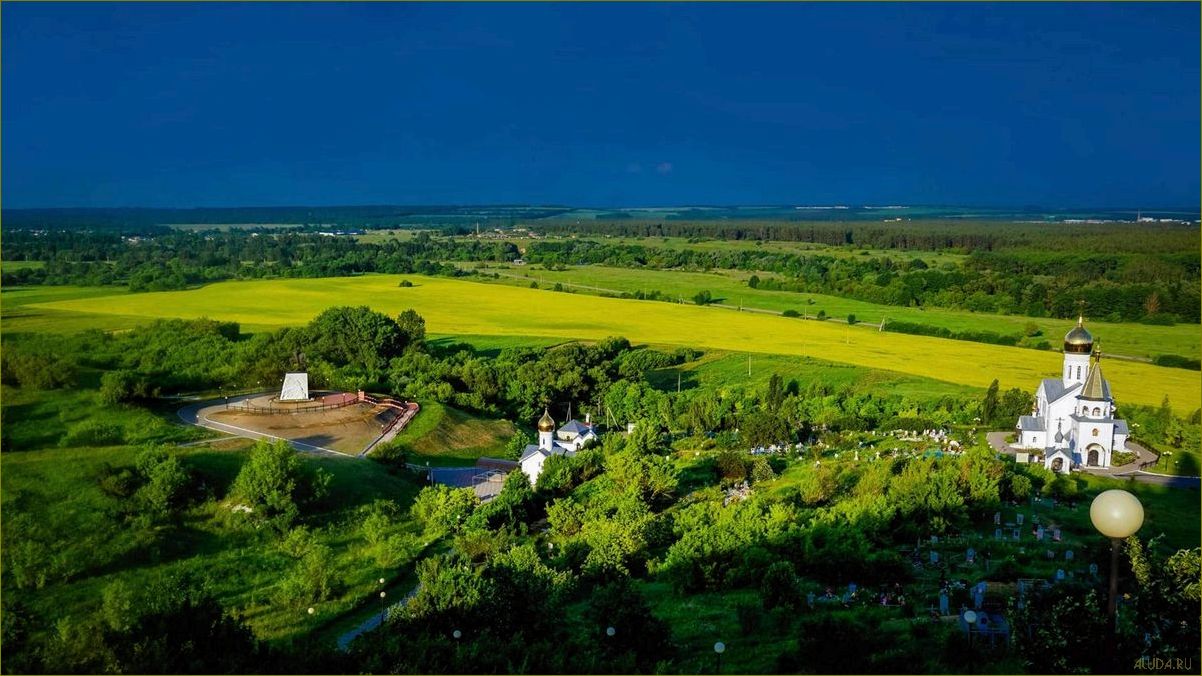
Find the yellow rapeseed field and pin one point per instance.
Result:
(462, 307)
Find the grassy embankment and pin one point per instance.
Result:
(461, 307)
(444, 436)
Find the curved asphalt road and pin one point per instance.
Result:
(198, 414)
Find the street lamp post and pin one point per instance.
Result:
(970, 617)
(1116, 514)
(719, 648)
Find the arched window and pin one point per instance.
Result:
(1095, 431)
(1097, 411)
(1078, 373)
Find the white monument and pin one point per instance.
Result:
(296, 387)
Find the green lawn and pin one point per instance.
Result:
(445, 436)
(730, 288)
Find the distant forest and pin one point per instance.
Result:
(1121, 271)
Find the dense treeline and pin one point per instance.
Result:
(928, 235)
(1117, 286)
(1113, 284)
(175, 260)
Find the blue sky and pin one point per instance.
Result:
(595, 104)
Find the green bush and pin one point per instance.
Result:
(94, 433)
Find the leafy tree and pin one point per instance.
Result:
(444, 509)
(989, 404)
(780, 587)
(273, 483)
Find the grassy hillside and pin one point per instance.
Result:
(443, 435)
(453, 306)
(52, 495)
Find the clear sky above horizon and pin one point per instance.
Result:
(178, 105)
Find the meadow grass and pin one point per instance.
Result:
(241, 565)
(452, 306)
(445, 436)
(730, 288)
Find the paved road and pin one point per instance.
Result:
(371, 623)
(1144, 458)
(198, 414)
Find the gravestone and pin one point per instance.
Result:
(934, 557)
(1093, 569)
(1039, 533)
(943, 603)
(810, 599)
(997, 518)
(1068, 556)
(997, 533)
(971, 555)
(1016, 535)
(851, 587)
(1059, 574)
(934, 539)
(1019, 519)
(1051, 555)
(1056, 534)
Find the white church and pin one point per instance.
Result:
(1073, 423)
(566, 441)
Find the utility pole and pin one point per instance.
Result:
(678, 382)
(748, 366)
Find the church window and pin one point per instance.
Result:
(1097, 411)
(1078, 372)
(1095, 431)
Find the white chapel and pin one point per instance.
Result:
(1073, 423)
(567, 440)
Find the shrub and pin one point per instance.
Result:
(790, 313)
(1177, 361)
(780, 586)
(731, 466)
(851, 319)
(405, 284)
(94, 433)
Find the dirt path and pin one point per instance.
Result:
(198, 414)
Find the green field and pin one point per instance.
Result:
(444, 436)
(13, 266)
(730, 288)
(460, 307)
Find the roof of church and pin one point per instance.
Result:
(1030, 423)
(1095, 385)
(575, 427)
(1055, 389)
(533, 450)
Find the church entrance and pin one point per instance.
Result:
(1058, 464)
(1092, 458)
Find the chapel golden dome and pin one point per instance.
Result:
(1078, 340)
(546, 423)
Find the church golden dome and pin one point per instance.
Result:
(546, 423)
(1078, 340)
